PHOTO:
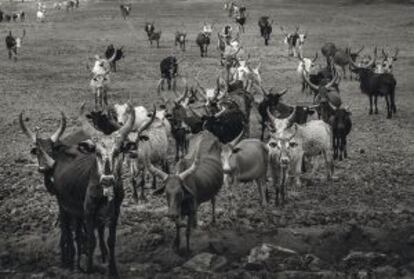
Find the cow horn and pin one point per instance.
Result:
(234, 142)
(155, 171)
(148, 123)
(294, 133)
(359, 51)
(313, 106)
(270, 115)
(25, 129)
(194, 112)
(283, 92)
(316, 57)
(332, 82)
(183, 175)
(50, 162)
(313, 86)
(112, 58)
(218, 114)
(265, 93)
(332, 106)
(291, 116)
(396, 53)
(55, 137)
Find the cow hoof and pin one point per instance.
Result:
(389, 116)
(370, 112)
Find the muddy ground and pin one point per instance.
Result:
(359, 226)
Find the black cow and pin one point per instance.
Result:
(11, 46)
(1, 15)
(241, 19)
(169, 71)
(109, 52)
(152, 35)
(328, 50)
(265, 28)
(125, 10)
(377, 85)
(203, 40)
(341, 126)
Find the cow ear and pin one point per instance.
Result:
(159, 191)
(236, 150)
(143, 138)
(86, 146)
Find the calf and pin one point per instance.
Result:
(245, 161)
(125, 10)
(265, 28)
(341, 126)
(198, 179)
(295, 41)
(290, 142)
(99, 84)
(169, 72)
(180, 39)
(117, 55)
(377, 85)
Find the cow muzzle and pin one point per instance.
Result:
(284, 161)
(107, 180)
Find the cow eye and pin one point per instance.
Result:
(273, 144)
(293, 144)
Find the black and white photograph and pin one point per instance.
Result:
(251, 139)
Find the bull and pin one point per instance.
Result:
(265, 28)
(169, 71)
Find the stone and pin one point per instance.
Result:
(206, 262)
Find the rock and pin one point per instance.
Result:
(206, 262)
(364, 259)
(385, 272)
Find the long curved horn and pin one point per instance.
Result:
(148, 123)
(294, 134)
(315, 58)
(395, 53)
(25, 129)
(265, 93)
(359, 51)
(313, 86)
(334, 78)
(283, 92)
(59, 132)
(332, 106)
(270, 115)
(112, 58)
(194, 112)
(124, 130)
(234, 142)
(183, 175)
(150, 167)
(384, 54)
(291, 116)
(218, 114)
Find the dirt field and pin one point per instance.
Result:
(369, 209)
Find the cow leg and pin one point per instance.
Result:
(90, 225)
(79, 239)
(329, 164)
(370, 104)
(341, 147)
(263, 130)
(105, 98)
(174, 84)
(64, 223)
(102, 245)
(394, 108)
(142, 186)
(262, 191)
(375, 104)
(344, 147)
(213, 210)
(134, 188)
(177, 239)
(10, 53)
(158, 43)
(389, 110)
(188, 232)
(113, 271)
(177, 150)
(335, 147)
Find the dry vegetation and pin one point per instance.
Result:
(369, 208)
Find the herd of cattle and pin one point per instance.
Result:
(82, 166)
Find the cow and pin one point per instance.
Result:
(341, 126)
(70, 4)
(169, 72)
(272, 101)
(306, 65)
(11, 46)
(248, 75)
(203, 39)
(295, 41)
(245, 161)
(232, 8)
(152, 35)
(180, 39)
(198, 179)
(376, 85)
(117, 55)
(385, 66)
(288, 144)
(125, 10)
(99, 85)
(102, 66)
(322, 77)
(265, 28)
